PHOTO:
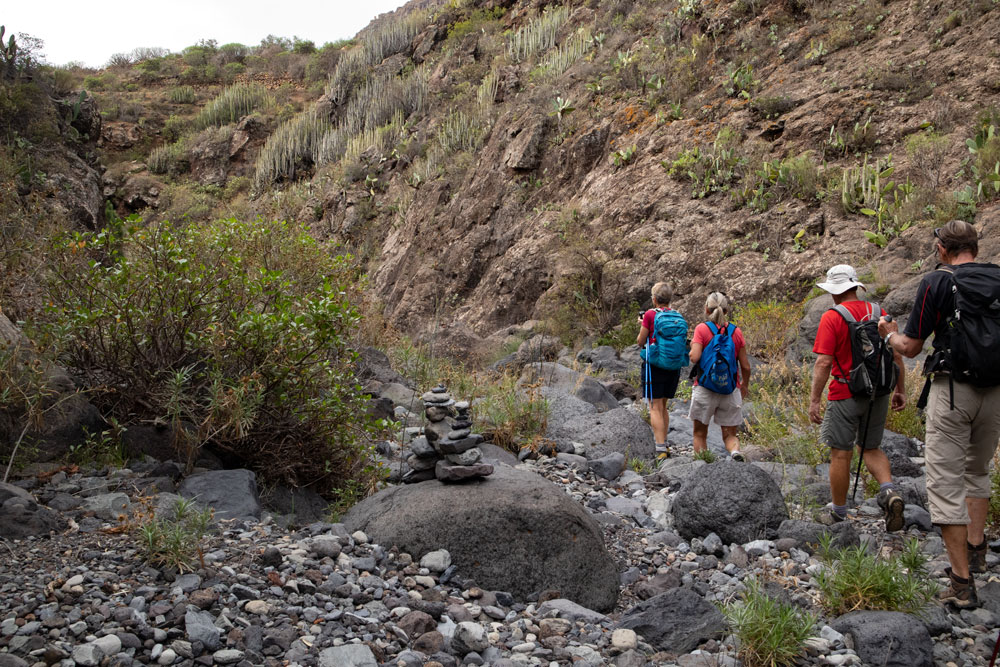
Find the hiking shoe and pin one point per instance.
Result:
(892, 504)
(662, 452)
(738, 456)
(829, 517)
(977, 557)
(961, 593)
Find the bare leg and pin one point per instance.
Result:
(978, 509)
(730, 437)
(700, 436)
(840, 474)
(955, 536)
(659, 419)
(878, 465)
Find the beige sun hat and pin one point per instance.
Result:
(841, 278)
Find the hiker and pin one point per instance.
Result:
(719, 354)
(959, 302)
(663, 339)
(864, 373)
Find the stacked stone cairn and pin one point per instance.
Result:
(448, 450)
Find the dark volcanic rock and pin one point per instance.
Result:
(676, 621)
(512, 516)
(737, 502)
(888, 638)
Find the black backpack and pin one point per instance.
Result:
(973, 352)
(873, 370)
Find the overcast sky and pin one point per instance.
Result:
(91, 33)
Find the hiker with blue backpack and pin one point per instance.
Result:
(663, 347)
(719, 353)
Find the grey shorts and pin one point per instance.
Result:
(845, 420)
(959, 448)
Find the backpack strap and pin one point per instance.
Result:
(846, 314)
(713, 328)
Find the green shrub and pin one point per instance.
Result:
(706, 455)
(867, 189)
(767, 325)
(538, 35)
(984, 164)
(713, 169)
(175, 540)
(236, 333)
(780, 179)
(510, 416)
(771, 633)
(856, 579)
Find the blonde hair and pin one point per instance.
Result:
(717, 307)
(662, 293)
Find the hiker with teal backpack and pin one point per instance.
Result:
(663, 342)
(722, 366)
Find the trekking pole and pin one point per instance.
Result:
(864, 433)
(996, 647)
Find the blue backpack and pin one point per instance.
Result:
(670, 351)
(718, 361)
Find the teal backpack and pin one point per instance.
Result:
(670, 351)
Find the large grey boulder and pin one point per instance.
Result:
(21, 516)
(888, 638)
(736, 501)
(580, 385)
(898, 449)
(231, 493)
(603, 359)
(676, 621)
(513, 516)
(620, 431)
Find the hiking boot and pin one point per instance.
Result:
(892, 504)
(977, 557)
(828, 516)
(738, 457)
(662, 452)
(961, 593)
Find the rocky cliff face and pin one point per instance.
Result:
(551, 200)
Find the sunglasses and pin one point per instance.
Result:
(937, 233)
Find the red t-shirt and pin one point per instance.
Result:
(832, 339)
(702, 335)
(647, 321)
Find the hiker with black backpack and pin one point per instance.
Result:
(958, 302)
(721, 366)
(865, 373)
(663, 342)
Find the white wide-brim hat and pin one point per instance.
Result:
(841, 278)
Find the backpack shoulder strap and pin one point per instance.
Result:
(874, 311)
(730, 329)
(846, 314)
(714, 329)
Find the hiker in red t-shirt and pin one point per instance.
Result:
(851, 420)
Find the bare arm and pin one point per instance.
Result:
(744, 371)
(695, 353)
(640, 340)
(899, 396)
(900, 343)
(821, 375)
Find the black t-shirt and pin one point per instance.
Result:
(931, 309)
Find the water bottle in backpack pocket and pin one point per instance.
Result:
(718, 361)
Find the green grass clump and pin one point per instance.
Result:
(771, 633)
(856, 579)
(706, 455)
(175, 540)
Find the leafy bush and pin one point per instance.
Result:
(780, 179)
(766, 326)
(174, 540)
(771, 632)
(710, 170)
(867, 189)
(512, 417)
(856, 579)
(234, 332)
(984, 164)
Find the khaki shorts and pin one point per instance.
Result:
(845, 420)
(960, 445)
(727, 409)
